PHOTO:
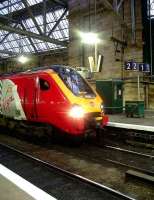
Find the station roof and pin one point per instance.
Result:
(152, 8)
(32, 26)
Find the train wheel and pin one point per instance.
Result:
(49, 133)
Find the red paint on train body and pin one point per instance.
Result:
(44, 97)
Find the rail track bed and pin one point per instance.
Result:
(139, 137)
(89, 161)
(130, 159)
(55, 181)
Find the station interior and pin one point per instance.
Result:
(110, 44)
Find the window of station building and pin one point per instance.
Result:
(44, 85)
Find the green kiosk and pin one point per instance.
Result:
(112, 93)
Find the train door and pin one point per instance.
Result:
(30, 98)
(45, 96)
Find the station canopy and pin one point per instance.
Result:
(32, 26)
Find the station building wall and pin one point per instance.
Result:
(11, 65)
(110, 29)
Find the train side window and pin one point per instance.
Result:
(44, 85)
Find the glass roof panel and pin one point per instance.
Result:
(152, 7)
(2, 55)
(50, 18)
(17, 43)
(14, 5)
(6, 45)
(39, 20)
(50, 26)
(1, 47)
(28, 23)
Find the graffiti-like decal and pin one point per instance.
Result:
(10, 104)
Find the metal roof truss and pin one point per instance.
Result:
(45, 29)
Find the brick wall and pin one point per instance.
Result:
(151, 96)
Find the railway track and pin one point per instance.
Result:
(130, 151)
(129, 159)
(123, 134)
(136, 161)
(55, 181)
(113, 153)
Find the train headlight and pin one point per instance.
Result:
(76, 112)
(102, 107)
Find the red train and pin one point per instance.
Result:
(55, 95)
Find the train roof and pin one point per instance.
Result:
(56, 68)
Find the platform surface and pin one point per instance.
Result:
(14, 187)
(9, 191)
(120, 118)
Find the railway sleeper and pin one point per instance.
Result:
(124, 135)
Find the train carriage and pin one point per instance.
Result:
(55, 95)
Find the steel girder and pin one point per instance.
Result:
(32, 35)
(7, 20)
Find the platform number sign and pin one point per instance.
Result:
(127, 66)
(141, 67)
(144, 67)
(134, 66)
(131, 66)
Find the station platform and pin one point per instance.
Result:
(120, 120)
(12, 186)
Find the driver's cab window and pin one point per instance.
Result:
(44, 85)
(76, 83)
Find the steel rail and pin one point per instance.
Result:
(124, 164)
(129, 151)
(130, 166)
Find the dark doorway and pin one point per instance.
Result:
(148, 32)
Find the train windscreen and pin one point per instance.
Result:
(74, 81)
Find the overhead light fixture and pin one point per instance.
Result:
(89, 38)
(23, 59)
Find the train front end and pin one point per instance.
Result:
(85, 113)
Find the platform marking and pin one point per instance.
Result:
(24, 185)
(131, 126)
